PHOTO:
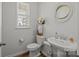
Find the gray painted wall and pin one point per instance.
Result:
(78, 25)
(0, 24)
(68, 28)
(11, 35)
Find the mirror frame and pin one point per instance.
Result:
(65, 18)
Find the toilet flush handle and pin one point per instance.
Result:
(2, 44)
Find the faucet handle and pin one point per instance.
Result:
(58, 36)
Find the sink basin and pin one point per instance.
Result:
(64, 44)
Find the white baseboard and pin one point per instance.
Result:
(16, 54)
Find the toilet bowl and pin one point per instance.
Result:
(34, 48)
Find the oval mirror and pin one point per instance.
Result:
(63, 13)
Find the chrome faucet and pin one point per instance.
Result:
(57, 36)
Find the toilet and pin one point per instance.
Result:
(34, 48)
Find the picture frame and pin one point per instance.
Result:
(63, 12)
(23, 15)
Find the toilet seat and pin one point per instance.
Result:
(33, 46)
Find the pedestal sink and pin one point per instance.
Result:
(62, 44)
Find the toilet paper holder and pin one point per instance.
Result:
(21, 40)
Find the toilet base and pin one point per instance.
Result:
(34, 53)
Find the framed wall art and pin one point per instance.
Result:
(23, 15)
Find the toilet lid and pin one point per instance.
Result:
(33, 45)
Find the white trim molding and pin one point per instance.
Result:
(16, 54)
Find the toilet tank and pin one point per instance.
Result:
(40, 39)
